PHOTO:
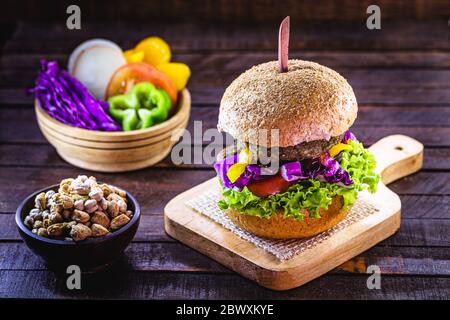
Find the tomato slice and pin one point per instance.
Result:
(128, 75)
(269, 186)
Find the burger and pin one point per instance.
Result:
(306, 179)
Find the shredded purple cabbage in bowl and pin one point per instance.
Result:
(65, 99)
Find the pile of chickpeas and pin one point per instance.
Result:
(80, 209)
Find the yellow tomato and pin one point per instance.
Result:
(133, 56)
(178, 72)
(156, 50)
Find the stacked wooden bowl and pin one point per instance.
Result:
(115, 151)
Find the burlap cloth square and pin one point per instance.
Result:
(206, 204)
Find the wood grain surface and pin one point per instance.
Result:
(400, 76)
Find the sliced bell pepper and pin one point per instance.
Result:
(178, 72)
(143, 107)
(130, 120)
(336, 149)
(237, 169)
(133, 56)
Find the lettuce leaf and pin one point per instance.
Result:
(311, 194)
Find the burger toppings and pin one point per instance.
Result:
(237, 169)
(335, 150)
(345, 169)
(304, 150)
(348, 135)
(251, 172)
(269, 186)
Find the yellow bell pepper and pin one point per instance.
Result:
(156, 50)
(133, 56)
(336, 149)
(245, 156)
(178, 72)
(237, 169)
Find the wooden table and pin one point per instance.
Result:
(401, 78)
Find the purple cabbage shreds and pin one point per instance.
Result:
(333, 172)
(325, 168)
(348, 135)
(65, 99)
(291, 171)
(307, 169)
(222, 167)
(251, 173)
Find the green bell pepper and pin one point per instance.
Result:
(142, 107)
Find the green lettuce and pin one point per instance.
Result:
(311, 194)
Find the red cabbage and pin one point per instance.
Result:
(65, 99)
(348, 135)
(222, 167)
(323, 168)
(332, 172)
(252, 172)
(291, 171)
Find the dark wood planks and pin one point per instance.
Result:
(153, 187)
(175, 257)
(238, 61)
(229, 11)
(413, 232)
(400, 77)
(163, 285)
(427, 124)
(198, 36)
(44, 155)
(371, 86)
(378, 77)
(219, 78)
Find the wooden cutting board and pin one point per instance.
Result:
(397, 156)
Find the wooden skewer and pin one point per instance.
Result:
(283, 45)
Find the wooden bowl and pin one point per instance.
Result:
(91, 254)
(115, 151)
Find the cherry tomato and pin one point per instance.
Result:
(128, 75)
(269, 186)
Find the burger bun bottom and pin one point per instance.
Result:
(278, 227)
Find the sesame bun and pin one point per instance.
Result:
(278, 227)
(308, 102)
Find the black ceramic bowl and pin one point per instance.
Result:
(91, 254)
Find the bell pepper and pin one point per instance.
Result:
(336, 149)
(156, 50)
(133, 56)
(142, 107)
(178, 72)
(237, 169)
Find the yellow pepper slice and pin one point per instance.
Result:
(245, 156)
(133, 56)
(336, 149)
(178, 72)
(156, 50)
(237, 169)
